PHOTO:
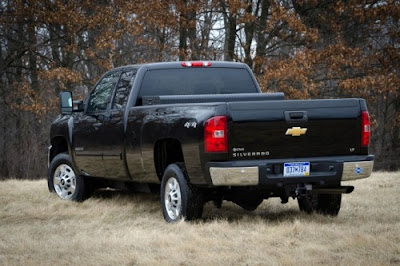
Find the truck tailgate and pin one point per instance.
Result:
(293, 129)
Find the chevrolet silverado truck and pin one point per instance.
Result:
(204, 132)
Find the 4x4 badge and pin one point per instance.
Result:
(296, 131)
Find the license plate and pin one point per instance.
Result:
(296, 169)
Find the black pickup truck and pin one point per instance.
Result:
(203, 131)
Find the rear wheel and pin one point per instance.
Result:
(63, 180)
(327, 204)
(179, 199)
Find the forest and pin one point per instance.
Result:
(305, 48)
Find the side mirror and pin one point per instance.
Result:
(66, 102)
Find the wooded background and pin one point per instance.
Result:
(306, 48)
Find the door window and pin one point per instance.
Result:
(123, 88)
(101, 95)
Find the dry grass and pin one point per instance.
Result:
(112, 228)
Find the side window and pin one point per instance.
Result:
(123, 88)
(101, 95)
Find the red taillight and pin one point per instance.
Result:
(196, 64)
(365, 129)
(216, 134)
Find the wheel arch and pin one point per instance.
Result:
(166, 152)
(58, 145)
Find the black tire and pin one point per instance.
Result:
(308, 204)
(70, 186)
(326, 204)
(179, 199)
(329, 204)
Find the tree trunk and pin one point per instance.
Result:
(192, 34)
(205, 35)
(32, 59)
(183, 31)
(230, 35)
(249, 28)
(261, 40)
(4, 172)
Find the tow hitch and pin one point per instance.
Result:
(303, 190)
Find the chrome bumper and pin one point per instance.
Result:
(234, 176)
(357, 170)
(250, 175)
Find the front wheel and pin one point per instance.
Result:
(63, 180)
(179, 199)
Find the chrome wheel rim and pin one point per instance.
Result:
(173, 198)
(64, 181)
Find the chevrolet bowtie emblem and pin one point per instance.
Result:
(296, 131)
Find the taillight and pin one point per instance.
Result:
(196, 64)
(216, 134)
(365, 129)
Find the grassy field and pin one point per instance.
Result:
(37, 228)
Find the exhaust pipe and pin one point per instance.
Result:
(335, 190)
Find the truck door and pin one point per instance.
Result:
(89, 140)
(114, 129)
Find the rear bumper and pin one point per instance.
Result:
(357, 170)
(324, 171)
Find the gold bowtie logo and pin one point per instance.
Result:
(296, 131)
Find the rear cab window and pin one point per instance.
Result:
(196, 81)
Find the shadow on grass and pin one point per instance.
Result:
(115, 193)
(233, 214)
(228, 212)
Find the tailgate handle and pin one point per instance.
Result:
(296, 116)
